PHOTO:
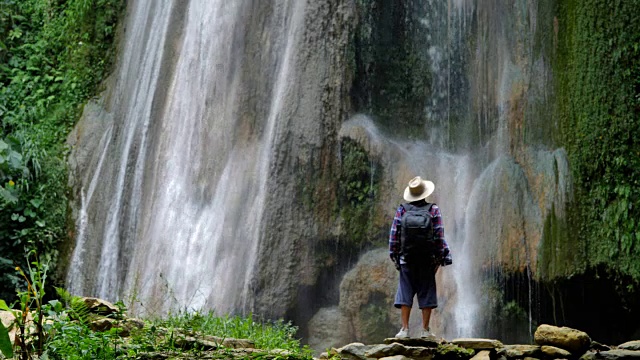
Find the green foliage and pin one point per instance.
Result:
(267, 335)
(76, 341)
(357, 194)
(453, 352)
(598, 70)
(6, 348)
(53, 55)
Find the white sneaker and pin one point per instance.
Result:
(425, 333)
(404, 333)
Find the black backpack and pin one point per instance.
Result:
(416, 234)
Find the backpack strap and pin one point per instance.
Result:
(409, 206)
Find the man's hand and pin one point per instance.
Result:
(396, 262)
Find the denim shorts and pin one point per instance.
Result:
(419, 281)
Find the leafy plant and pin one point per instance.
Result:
(53, 56)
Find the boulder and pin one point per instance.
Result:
(630, 345)
(555, 352)
(103, 324)
(576, 341)
(600, 347)
(328, 328)
(366, 297)
(423, 342)
(126, 325)
(482, 355)
(477, 344)
(396, 357)
(99, 306)
(389, 350)
(352, 351)
(7, 319)
(616, 354)
(520, 351)
(205, 342)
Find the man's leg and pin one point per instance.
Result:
(405, 313)
(426, 317)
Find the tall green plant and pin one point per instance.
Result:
(53, 56)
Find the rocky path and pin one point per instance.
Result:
(551, 343)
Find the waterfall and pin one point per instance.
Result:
(178, 217)
(205, 175)
(498, 177)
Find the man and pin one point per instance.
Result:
(418, 248)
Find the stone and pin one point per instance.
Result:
(423, 342)
(520, 351)
(630, 345)
(99, 306)
(352, 351)
(386, 350)
(205, 342)
(103, 324)
(126, 325)
(394, 349)
(555, 352)
(611, 355)
(7, 319)
(396, 357)
(328, 328)
(477, 344)
(576, 341)
(601, 347)
(366, 297)
(482, 355)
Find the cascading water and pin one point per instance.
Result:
(206, 174)
(497, 177)
(178, 218)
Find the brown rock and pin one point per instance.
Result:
(520, 351)
(395, 349)
(577, 342)
(477, 344)
(423, 342)
(555, 352)
(482, 355)
(99, 306)
(103, 324)
(617, 354)
(352, 351)
(630, 345)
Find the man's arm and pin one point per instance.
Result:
(394, 241)
(444, 257)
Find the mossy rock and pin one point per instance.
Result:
(453, 352)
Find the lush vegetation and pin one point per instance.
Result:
(66, 328)
(53, 55)
(598, 73)
(359, 183)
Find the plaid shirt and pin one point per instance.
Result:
(444, 258)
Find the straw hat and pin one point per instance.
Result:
(418, 189)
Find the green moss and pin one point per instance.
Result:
(597, 73)
(452, 352)
(560, 254)
(357, 191)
